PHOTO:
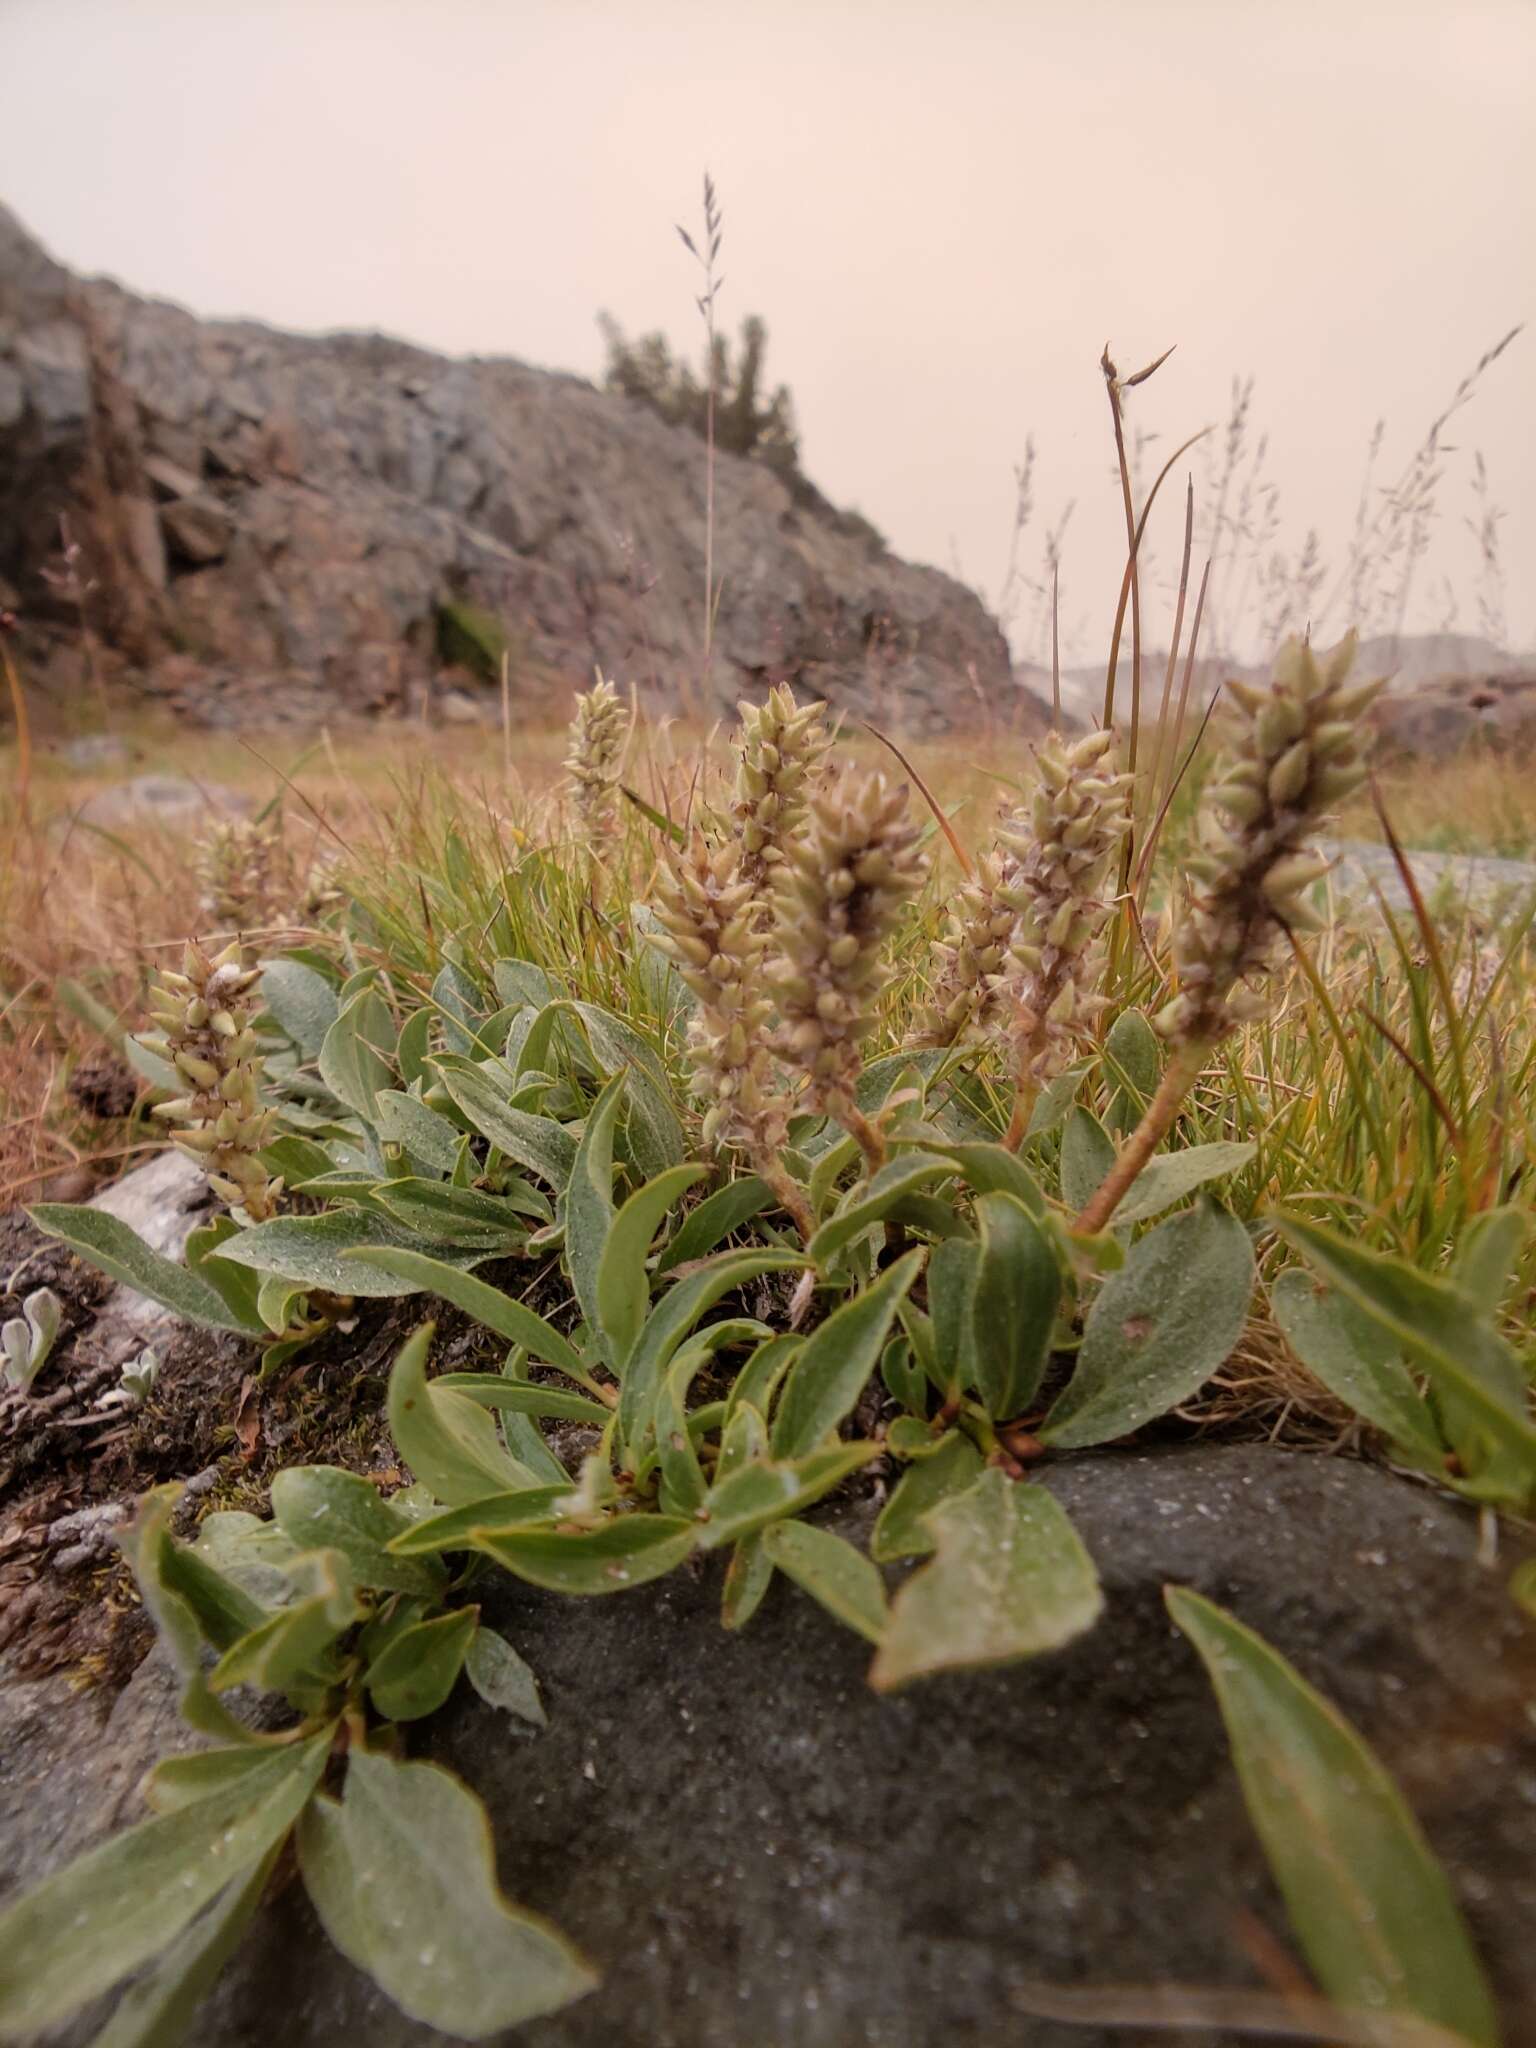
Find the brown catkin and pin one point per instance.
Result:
(598, 734)
(708, 931)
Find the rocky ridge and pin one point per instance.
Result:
(279, 525)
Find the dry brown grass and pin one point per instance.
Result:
(97, 909)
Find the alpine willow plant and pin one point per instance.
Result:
(961, 1293)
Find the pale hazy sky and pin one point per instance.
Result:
(943, 208)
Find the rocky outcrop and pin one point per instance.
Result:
(1447, 713)
(281, 525)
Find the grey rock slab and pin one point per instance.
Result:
(163, 1201)
(174, 800)
(1483, 881)
(760, 1853)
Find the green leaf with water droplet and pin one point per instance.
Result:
(403, 1875)
(828, 1567)
(1370, 1905)
(617, 1555)
(1158, 1329)
(136, 1893)
(1010, 1579)
(321, 1505)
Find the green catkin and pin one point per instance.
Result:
(594, 762)
(204, 1014)
(782, 745)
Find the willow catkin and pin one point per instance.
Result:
(204, 1013)
(598, 733)
(782, 745)
(965, 1001)
(839, 891)
(1298, 756)
(1063, 847)
(705, 910)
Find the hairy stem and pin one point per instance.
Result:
(1182, 1072)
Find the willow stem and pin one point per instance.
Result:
(869, 1137)
(1182, 1072)
(790, 1196)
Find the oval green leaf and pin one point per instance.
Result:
(1159, 1328)
(1010, 1579)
